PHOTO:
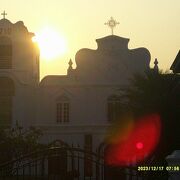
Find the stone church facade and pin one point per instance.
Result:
(76, 108)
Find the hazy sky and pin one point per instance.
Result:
(153, 24)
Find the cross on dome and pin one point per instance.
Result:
(4, 14)
(112, 24)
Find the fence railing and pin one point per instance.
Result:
(68, 163)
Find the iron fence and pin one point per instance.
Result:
(70, 163)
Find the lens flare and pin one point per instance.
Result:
(140, 142)
(139, 145)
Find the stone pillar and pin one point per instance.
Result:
(173, 167)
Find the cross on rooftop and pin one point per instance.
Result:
(112, 24)
(4, 14)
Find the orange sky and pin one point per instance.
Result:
(151, 24)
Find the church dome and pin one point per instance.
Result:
(4, 22)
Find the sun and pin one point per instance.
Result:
(51, 43)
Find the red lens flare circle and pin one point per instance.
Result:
(140, 143)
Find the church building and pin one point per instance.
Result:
(75, 108)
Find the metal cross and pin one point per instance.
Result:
(4, 14)
(112, 24)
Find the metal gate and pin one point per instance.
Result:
(55, 163)
(69, 163)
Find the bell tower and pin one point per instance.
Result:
(19, 65)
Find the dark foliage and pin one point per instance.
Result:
(157, 93)
(16, 142)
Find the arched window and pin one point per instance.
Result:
(114, 108)
(5, 53)
(62, 109)
(7, 91)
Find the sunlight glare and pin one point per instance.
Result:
(51, 43)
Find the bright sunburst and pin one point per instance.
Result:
(51, 43)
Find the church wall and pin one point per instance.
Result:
(24, 70)
(87, 104)
(88, 113)
(23, 106)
